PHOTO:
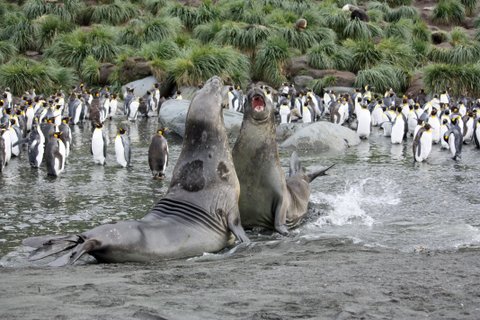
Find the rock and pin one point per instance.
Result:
(134, 68)
(173, 114)
(320, 136)
(302, 81)
(140, 86)
(298, 67)
(106, 69)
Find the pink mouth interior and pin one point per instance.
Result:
(258, 104)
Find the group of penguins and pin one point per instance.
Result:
(42, 126)
(436, 119)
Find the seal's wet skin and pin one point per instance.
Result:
(267, 198)
(198, 214)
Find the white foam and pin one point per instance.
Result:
(349, 207)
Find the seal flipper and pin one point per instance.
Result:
(236, 227)
(53, 246)
(77, 252)
(312, 176)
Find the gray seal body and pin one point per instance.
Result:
(268, 199)
(198, 214)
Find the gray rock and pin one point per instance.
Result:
(302, 81)
(173, 114)
(141, 86)
(318, 136)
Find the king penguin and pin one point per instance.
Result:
(398, 127)
(364, 122)
(3, 150)
(476, 133)
(66, 135)
(122, 148)
(158, 155)
(443, 130)
(55, 155)
(36, 146)
(422, 143)
(99, 144)
(468, 127)
(454, 137)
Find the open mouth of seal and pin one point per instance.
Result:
(258, 104)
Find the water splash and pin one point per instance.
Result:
(350, 207)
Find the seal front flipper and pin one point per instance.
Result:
(50, 246)
(280, 222)
(236, 228)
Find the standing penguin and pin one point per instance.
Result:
(36, 146)
(113, 105)
(364, 121)
(454, 138)
(443, 130)
(476, 133)
(99, 144)
(122, 148)
(66, 135)
(55, 155)
(468, 127)
(132, 111)
(3, 150)
(434, 122)
(158, 155)
(398, 127)
(422, 143)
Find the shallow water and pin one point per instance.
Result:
(384, 239)
(374, 195)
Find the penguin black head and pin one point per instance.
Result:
(160, 132)
(5, 95)
(230, 88)
(420, 122)
(427, 126)
(114, 96)
(65, 119)
(121, 130)
(447, 112)
(445, 121)
(156, 85)
(455, 120)
(57, 134)
(434, 111)
(410, 107)
(98, 125)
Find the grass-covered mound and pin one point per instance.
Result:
(240, 40)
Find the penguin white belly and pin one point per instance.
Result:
(412, 123)
(443, 143)
(387, 128)
(284, 112)
(15, 150)
(364, 121)
(98, 147)
(377, 116)
(469, 132)
(451, 144)
(307, 116)
(62, 151)
(113, 107)
(133, 110)
(29, 115)
(120, 151)
(40, 152)
(435, 124)
(425, 147)
(398, 131)
(477, 136)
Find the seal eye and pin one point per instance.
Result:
(258, 104)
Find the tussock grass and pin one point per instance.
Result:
(449, 12)
(462, 53)
(49, 27)
(397, 52)
(328, 55)
(202, 62)
(23, 74)
(318, 85)
(66, 9)
(90, 71)
(165, 50)
(192, 17)
(402, 29)
(462, 79)
(115, 13)
(383, 77)
(20, 31)
(206, 32)
(139, 31)
(270, 61)
(364, 54)
(470, 6)
(7, 51)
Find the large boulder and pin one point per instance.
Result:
(173, 115)
(318, 136)
(140, 87)
(134, 68)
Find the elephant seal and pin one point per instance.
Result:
(267, 198)
(198, 214)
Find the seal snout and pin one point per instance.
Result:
(258, 103)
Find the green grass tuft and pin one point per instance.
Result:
(364, 54)
(7, 51)
(448, 12)
(90, 71)
(383, 77)
(328, 55)
(462, 79)
(49, 27)
(115, 13)
(470, 6)
(67, 10)
(318, 85)
(164, 50)
(270, 61)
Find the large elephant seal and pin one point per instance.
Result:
(267, 198)
(198, 214)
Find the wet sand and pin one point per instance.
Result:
(293, 279)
